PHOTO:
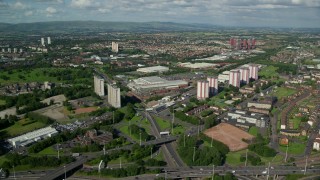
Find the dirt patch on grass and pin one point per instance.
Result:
(229, 135)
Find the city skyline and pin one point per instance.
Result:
(259, 13)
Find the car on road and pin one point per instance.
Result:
(264, 172)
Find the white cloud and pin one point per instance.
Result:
(84, 4)
(51, 10)
(19, 5)
(28, 13)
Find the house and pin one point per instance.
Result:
(316, 143)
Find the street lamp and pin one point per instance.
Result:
(194, 154)
(65, 172)
(14, 172)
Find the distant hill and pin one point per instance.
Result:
(98, 26)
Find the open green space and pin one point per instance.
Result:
(294, 148)
(52, 74)
(34, 75)
(269, 72)
(2, 102)
(23, 126)
(166, 125)
(163, 124)
(2, 160)
(49, 151)
(233, 158)
(125, 130)
(282, 92)
(253, 131)
(296, 122)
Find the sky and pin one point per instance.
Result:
(254, 13)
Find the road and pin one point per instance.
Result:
(171, 156)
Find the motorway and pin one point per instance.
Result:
(172, 158)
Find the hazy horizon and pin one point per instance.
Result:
(241, 13)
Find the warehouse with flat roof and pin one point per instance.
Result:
(33, 136)
(154, 83)
(153, 69)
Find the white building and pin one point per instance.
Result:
(115, 47)
(202, 90)
(15, 50)
(42, 42)
(49, 40)
(151, 83)
(234, 78)
(244, 75)
(213, 85)
(32, 137)
(254, 69)
(99, 85)
(114, 98)
(153, 69)
(3, 50)
(316, 143)
(9, 50)
(21, 50)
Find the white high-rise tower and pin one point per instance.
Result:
(49, 40)
(99, 85)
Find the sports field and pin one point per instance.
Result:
(229, 135)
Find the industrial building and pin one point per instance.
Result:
(202, 90)
(147, 85)
(98, 85)
(234, 78)
(153, 69)
(115, 47)
(114, 97)
(197, 65)
(32, 137)
(246, 119)
(213, 85)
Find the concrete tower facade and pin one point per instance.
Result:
(49, 40)
(244, 75)
(114, 98)
(115, 47)
(254, 69)
(99, 85)
(213, 85)
(202, 90)
(234, 78)
(42, 42)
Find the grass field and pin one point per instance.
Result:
(2, 102)
(49, 151)
(283, 92)
(254, 131)
(233, 158)
(294, 148)
(26, 76)
(296, 122)
(269, 72)
(166, 125)
(2, 160)
(22, 127)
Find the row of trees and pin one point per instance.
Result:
(43, 161)
(61, 137)
(194, 153)
(260, 147)
(136, 130)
